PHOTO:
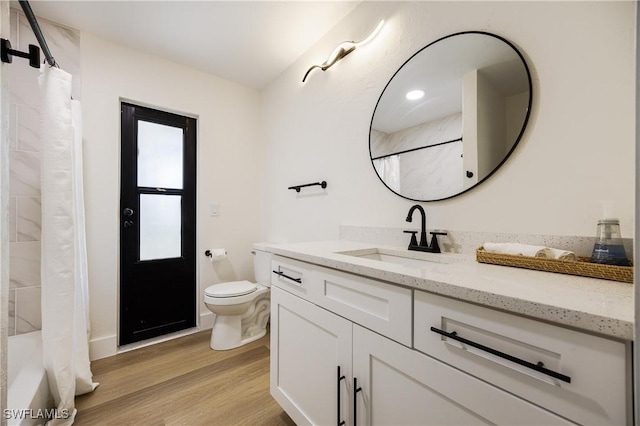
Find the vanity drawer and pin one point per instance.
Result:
(291, 275)
(593, 381)
(374, 304)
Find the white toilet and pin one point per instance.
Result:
(242, 308)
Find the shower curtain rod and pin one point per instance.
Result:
(418, 148)
(37, 32)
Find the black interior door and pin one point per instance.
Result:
(157, 223)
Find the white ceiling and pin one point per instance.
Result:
(249, 42)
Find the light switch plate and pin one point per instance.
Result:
(214, 209)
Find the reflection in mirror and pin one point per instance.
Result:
(450, 116)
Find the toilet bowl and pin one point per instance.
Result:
(242, 308)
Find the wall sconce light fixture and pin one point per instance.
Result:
(343, 50)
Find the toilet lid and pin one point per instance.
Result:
(230, 289)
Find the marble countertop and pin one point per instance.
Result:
(600, 306)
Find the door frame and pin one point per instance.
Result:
(195, 218)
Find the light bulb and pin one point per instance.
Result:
(415, 94)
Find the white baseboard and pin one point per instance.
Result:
(103, 347)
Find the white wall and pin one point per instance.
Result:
(228, 153)
(577, 151)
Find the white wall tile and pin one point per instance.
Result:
(64, 44)
(13, 126)
(24, 173)
(28, 128)
(12, 313)
(24, 264)
(29, 219)
(13, 206)
(28, 313)
(23, 81)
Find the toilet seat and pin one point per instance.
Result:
(231, 289)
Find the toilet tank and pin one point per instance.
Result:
(262, 264)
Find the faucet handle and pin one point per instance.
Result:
(434, 241)
(414, 240)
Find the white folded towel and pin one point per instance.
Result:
(529, 250)
(562, 254)
(518, 249)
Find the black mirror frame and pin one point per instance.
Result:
(515, 144)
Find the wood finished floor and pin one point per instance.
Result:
(183, 382)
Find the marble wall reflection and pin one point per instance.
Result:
(24, 164)
(425, 174)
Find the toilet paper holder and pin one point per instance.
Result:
(209, 253)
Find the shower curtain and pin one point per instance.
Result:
(65, 320)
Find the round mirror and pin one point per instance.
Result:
(450, 116)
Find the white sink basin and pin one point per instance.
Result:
(411, 259)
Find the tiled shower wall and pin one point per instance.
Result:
(24, 164)
(430, 173)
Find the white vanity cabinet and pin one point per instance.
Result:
(308, 344)
(395, 371)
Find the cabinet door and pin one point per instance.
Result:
(403, 387)
(308, 344)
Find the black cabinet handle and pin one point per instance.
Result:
(340, 378)
(537, 367)
(282, 274)
(356, 389)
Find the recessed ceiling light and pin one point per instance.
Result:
(415, 94)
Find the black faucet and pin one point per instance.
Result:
(424, 244)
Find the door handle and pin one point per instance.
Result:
(128, 223)
(128, 212)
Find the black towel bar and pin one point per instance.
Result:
(323, 184)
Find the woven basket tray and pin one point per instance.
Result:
(582, 266)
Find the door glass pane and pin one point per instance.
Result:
(160, 226)
(159, 155)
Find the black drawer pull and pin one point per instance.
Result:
(537, 367)
(282, 274)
